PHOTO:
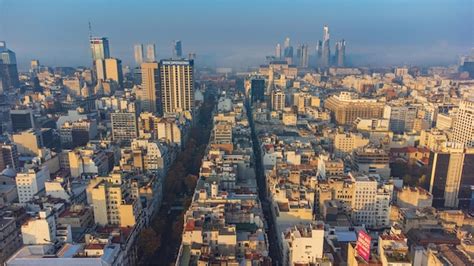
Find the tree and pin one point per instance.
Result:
(148, 242)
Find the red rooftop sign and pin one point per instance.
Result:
(363, 245)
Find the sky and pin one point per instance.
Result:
(233, 33)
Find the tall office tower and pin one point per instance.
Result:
(177, 85)
(319, 52)
(463, 129)
(345, 108)
(257, 88)
(109, 69)
(340, 54)
(150, 52)
(177, 49)
(326, 52)
(100, 69)
(124, 127)
(138, 53)
(100, 48)
(149, 96)
(303, 59)
(451, 177)
(278, 51)
(113, 70)
(278, 100)
(286, 44)
(8, 68)
(288, 51)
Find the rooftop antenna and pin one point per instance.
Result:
(90, 31)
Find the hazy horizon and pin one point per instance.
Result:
(239, 33)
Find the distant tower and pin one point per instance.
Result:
(278, 51)
(304, 57)
(288, 51)
(149, 96)
(150, 52)
(326, 55)
(340, 54)
(319, 52)
(8, 68)
(100, 48)
(138, 53)
(177, 49)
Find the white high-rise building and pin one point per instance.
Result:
(370, 204)
(150, 52)
(278, 51)
(326, 53)
(463, 129)
(30, 182)
(138, 53)
(303, 244)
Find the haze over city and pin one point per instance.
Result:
(250, 133)
(240, 33)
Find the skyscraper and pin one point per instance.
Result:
(144, 53)
(150, 52)
(463, 129)
(113, 70)
(177, 49)
(177, 85)
(150, 85)
(138, 53)
(340, 53)
(288, 51)
(319, 51)
(8, 68)
(257, 90)
(109, 69)
(450, 176)
(100, 48)
(326, 52)
(303, 56)
(278, 51)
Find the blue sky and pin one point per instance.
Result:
(239, 33)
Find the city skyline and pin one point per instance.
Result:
(221, 36)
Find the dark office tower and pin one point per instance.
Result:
(177, 49)
(8, 68)
(319, 50)
(451, 176)
(22, 120)
(100, 48)
(9, 156)
(257, 88)
(326, 51)
(340, 54)
(288, 51)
